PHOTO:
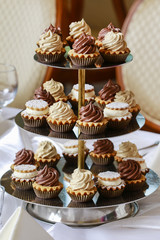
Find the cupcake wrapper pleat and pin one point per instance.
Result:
(115, 58)
(110, 193)
(61, 128)
(49, 58)
(71, 159)
(83, 62)
(94, 130)
(47, 195)
(118, 124)
(23, 185)
(134, 186)
(102, 161)
(49, 164)
(34, 122)
(81, 198)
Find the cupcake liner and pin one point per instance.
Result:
(22, 185)
(24, 195)
(47, 194)
(75, 103)
(134, 113)
(114, 58)
(81, 198)
(93, 130)
(83, 62)
(49, 164)
(73, 159)
(111, 193)
(132, 186)
(102, 161)
(61, 128)
(118, 124)
(34, 122)
(50, 58)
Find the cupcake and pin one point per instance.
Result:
(70, 151)
(114, 49)
(23, 176)
(82, 188)
(107, 93)
(61, 117)
(128, 97)
(91, 120)
(89, 95)
(23, 156)
(56, 89)
(47, 183)
(103, 152)
(127, 150)
(142, 163)
(84, 52)
(117, 115)
(35, 114)
(109, 184)
(76, 29)
(130, 172)
(46, 154)
(41, 93)
(50, 46)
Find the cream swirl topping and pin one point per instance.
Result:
(50, 42)
(46, 150)
(125, 96)
(56, 89)
(117, 110)
(77, 28)
(114, 41)
(81, 179)
(127, 149)
(61, 111)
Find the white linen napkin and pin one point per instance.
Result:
(21, 226)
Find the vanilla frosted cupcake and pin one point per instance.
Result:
(89, 95)
(114, 48)
(82, 187)
(50, 46)
(61, 117)
(127, 150)
(141, 161)
(91, 120)
(23, 176)
(128, 97)
(76, 29)
(35, 114)
(46, 154)
(118, 115)
(70, 151)
(56, 89)
(107, 93)
(109, 184)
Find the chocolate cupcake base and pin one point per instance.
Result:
(22, 185)
(61, 128)
(92, 130)
(34, 123)
(114, 58)
(110, 193)
(101, 160)
(118, 124)
(83, 62)
(81, 198)
(51, 57)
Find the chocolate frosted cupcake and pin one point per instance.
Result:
(23, 156)
(73, 95)
(61, 117)
(91, 120)
(128, 97)
(41, 93)
(117, 114)
(130, 172)
(109, 184)
(47, 183)
(127, 150)
(46, 154)
(35, 114)
(107, 93)
(103, 152)
(50, 46)
(76, 29)
(114, 49)
(56, 89)
(84, 52)
(82, 188)
(142, 163)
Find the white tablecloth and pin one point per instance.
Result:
(145, 224)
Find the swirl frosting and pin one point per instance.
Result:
(61, 111)
(53, 29)
(47, 177)
(77, 28)
(81, 179)
(50, 42)
(129, 170)
(103, 146)
(127, 149)
(125, 96)
(41, 93)
(104, 31)
(24, 156)
(85, 44)
(109, 90)
(56, 89)
(91, 113)
(46, 150)
(114, 41)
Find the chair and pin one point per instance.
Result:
(142, 32)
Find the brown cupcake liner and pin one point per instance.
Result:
(134, 113)
(92, 130)
(101, 160)
(134, 186)
(41, 164)
(101, 103)
(74, 103)
(35, 123)
(22, 185)
(83, 62)
(110, 193)
(73, 159)
(81, 198)
(114, 58)
(24, 195)
(50, 58)
(47, 194)
(123, 123)
(61, 128)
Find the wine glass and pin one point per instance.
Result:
(8, 85)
